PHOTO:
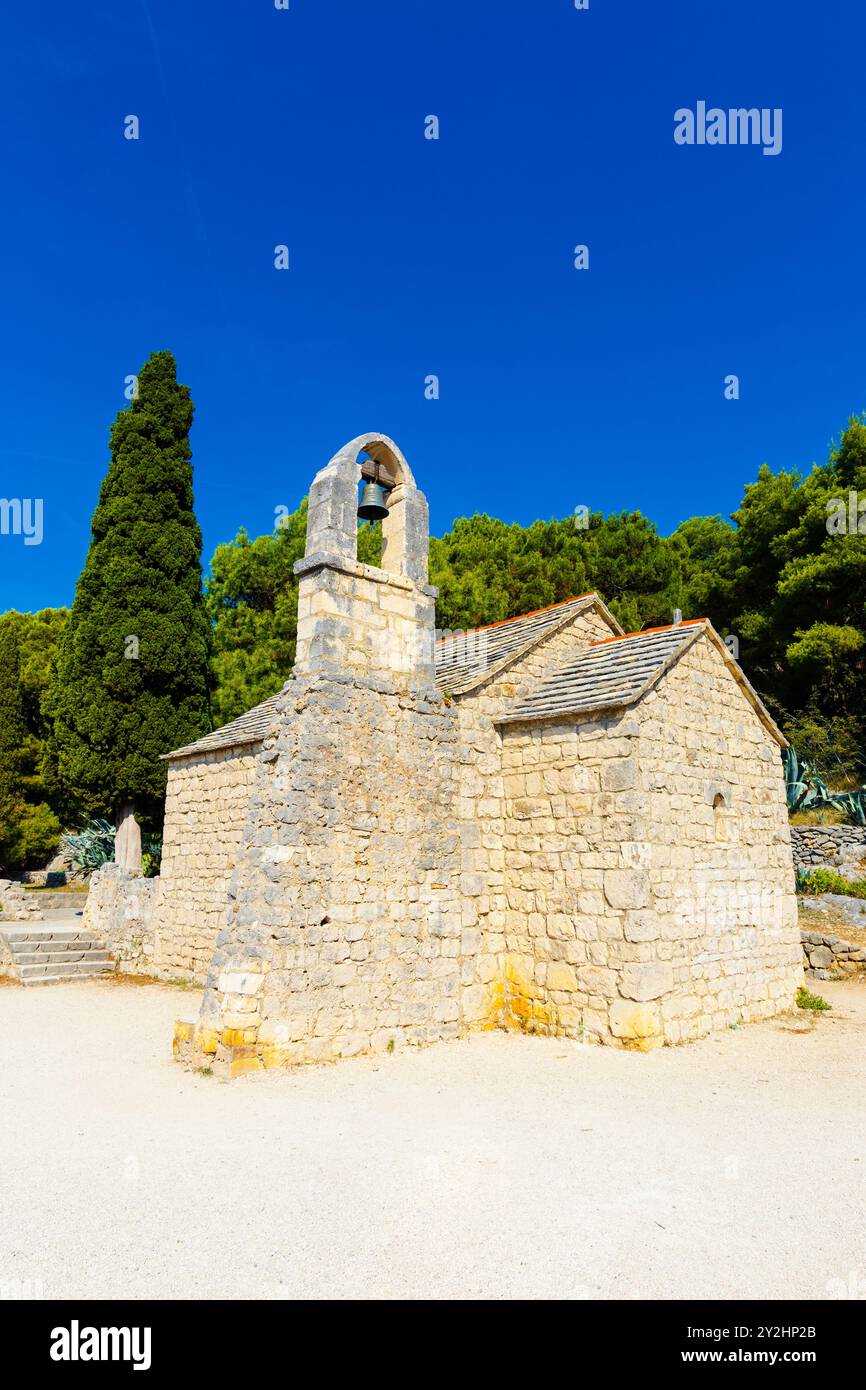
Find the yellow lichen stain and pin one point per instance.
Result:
(636, 1028)
(245, 1059)
(238, 1037)
(516, 1005)
(274, 1056)
(183, 1033)
(642, 1044)
(207, 1040)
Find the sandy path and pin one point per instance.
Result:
(501, 1166)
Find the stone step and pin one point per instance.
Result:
(65, 942)
(73, 970)
(48, 901)
(53, 957)
(37, 933)
(46, 954)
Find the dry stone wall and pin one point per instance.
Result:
(838, 847)
(120, 910)
(828, 956)
(16, 904)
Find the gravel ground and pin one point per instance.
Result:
(503, 1166)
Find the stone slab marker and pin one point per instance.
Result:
(127, 842)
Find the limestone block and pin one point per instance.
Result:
(640, 1023)
(648, 980)
(561, 976)
(642, 925)
(619, 775)
(627, 888)
(238, 982)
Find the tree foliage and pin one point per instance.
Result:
(791, 584)
(29, 830)
(132, 677)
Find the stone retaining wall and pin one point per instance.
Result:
(16, 905)
(120, 910)
(838, 847)
(825, 955)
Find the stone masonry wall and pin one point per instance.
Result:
(640, 912)
(355, 617)
(721, 921)
(571, 827)
(167, 926)
(344, 925)
(494, 894)
(206, 805)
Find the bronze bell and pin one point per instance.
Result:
(372, 505)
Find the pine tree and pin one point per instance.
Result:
(131, 680)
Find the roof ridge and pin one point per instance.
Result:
(645, 632)
(533, 613)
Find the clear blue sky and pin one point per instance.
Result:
(411, 257)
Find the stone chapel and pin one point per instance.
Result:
(545, 825)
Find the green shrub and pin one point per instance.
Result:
(826, 881)
(29, 834)
(807, 1000)
(151, 855)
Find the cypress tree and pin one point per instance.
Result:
(12, 726)
(131, 680)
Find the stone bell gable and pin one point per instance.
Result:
(354, 617)
(343, 923)
(545, 824)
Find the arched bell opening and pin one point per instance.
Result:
(374, 465)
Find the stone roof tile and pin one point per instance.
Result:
(607, 674)
(251, 727)
(464, 659)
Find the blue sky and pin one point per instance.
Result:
(411, 257)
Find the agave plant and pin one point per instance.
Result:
(804, 785)
(853, 804)
(90, 848)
